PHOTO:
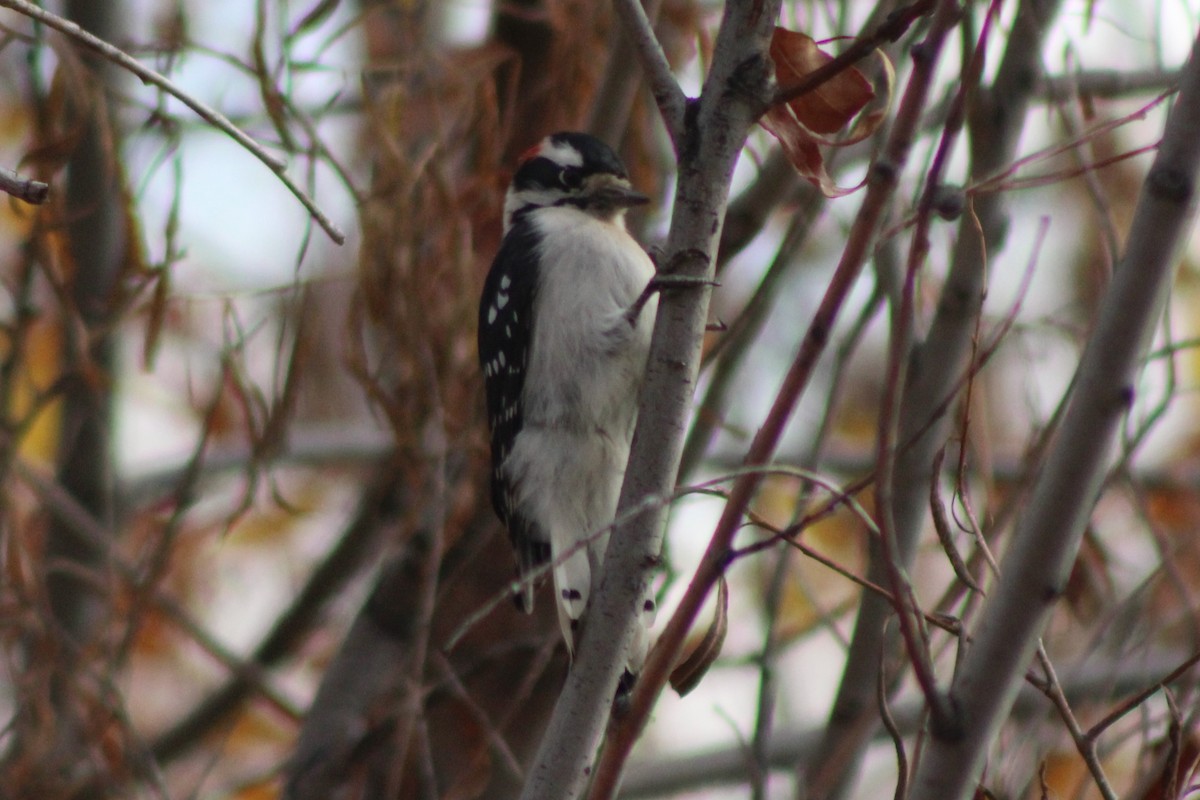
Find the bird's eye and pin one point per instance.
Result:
(570, 178)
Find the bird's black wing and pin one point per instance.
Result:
(505, 338)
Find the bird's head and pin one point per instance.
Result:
(571, 169)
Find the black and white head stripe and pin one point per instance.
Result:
(565, 155)
(557, 168)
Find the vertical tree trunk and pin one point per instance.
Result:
(98, 246)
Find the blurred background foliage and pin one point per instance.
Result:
(222, 435)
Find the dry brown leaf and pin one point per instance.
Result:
(691, 670)
(801, 124)
(830, 107)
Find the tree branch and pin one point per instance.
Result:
(79, 523)
(376, 662)
(861, 240)
(710, 135)
(378, 504)
(206, 112)
(27, 189)
(936, 371)
(1090, 684)
(1047, 537)
(664, 87)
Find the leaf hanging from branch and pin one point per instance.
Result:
(692, 669)
(803, 124)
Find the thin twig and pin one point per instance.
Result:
(355, 545)
(79, 523)
(1141, 697)
(491, 730)
(670, 98)
(893, 730)
(433, 524)
(1175, 752)
(1003, 180)
(1084, 743)
(206, 112)
(1106, 83)
(705, 769)
(925, 60)
(941, 525)
(27, 189)
(765, 717)
(612, 105)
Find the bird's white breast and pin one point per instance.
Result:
(592, 271)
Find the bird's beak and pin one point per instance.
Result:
(614, 192)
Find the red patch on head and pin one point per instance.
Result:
(530, 154)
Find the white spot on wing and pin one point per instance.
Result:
(492, 314)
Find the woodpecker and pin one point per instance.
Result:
(564, 330)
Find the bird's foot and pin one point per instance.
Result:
(663, 282)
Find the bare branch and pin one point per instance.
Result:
(27, 189)
(861, 239)
(664, 776)
(1133, 702)
(1084, 744)
(668, 95)
(374, 663)
(1047, 537)
(930, 390)
(889, 724)
(79, 523)
(736, 93)
(206, 112)
(1107, 83)
(344, 560)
